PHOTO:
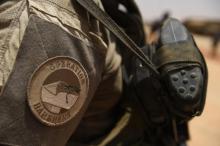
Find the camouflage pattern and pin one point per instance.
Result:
(33, 31)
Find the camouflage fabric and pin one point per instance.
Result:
(14, 19)
(35, 32)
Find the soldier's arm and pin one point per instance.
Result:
(51, 65)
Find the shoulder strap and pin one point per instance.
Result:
(110, 24)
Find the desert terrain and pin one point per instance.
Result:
(205, 130)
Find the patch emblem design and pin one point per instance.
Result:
(57, 90)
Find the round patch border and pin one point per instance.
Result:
(80, 100)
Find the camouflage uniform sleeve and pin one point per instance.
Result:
(51, 64)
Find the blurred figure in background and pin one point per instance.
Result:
(208, 28)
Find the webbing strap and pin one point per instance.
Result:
(110, 24)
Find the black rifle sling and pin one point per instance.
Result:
(110, 24)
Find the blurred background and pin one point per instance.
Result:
(202, 18)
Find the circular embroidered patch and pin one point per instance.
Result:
(57, 90)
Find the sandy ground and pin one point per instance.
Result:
(205, 130)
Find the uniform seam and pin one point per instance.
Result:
(41, 40)
(3, 128)
(74, 15)
(13, 23)
(74, 35)
(28, 8)
(89, 44)
(58, 6)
